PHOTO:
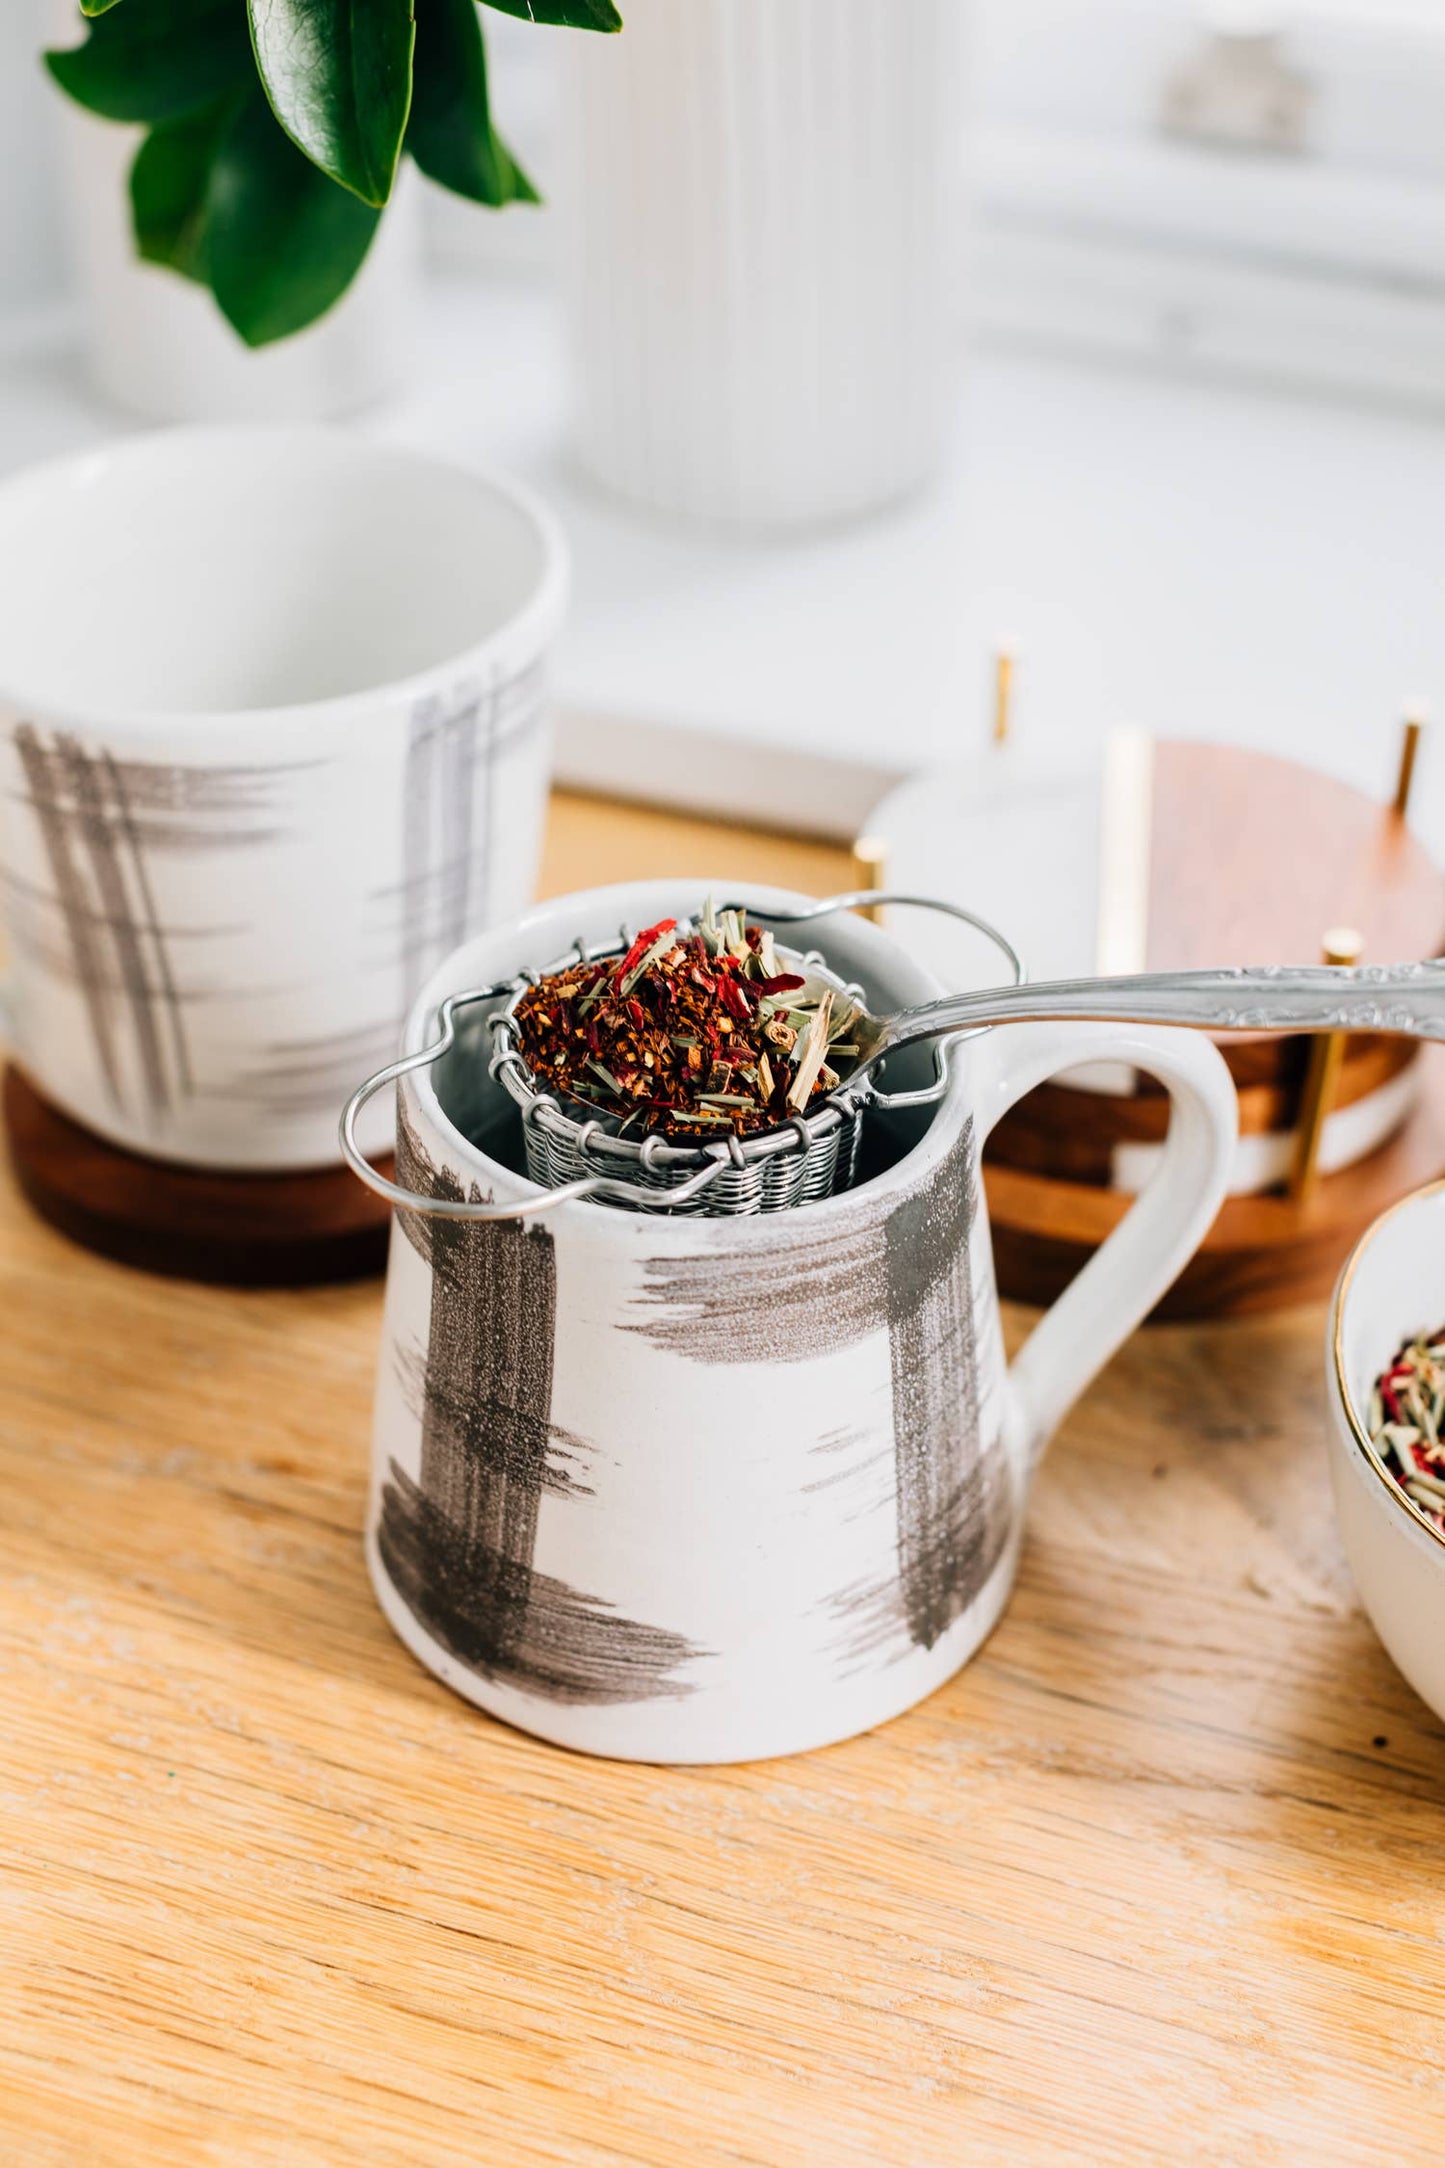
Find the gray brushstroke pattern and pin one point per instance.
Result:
(459, 1541)
(294, 1077)
(101, 818)
(801, 1295)
(811, 1291)
(449, 815)
(953, 1498)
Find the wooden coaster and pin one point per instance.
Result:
(1262, 1253)
(1073, 1134)
(193, 1223)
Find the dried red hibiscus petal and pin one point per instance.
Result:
(642, 944)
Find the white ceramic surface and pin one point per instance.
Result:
(762, 220)
(272, 741)
(157, 344)
(1392, 1286)
(687, 1489)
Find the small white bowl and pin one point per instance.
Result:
(1392, 1287)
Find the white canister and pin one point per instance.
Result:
(703, 1489)
(762, 234)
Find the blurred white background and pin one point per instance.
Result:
(1199, 455)
(1071, 152)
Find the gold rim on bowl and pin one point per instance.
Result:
(1360, 1433)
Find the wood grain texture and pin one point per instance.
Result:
(1149, 1880)
(1256, 857)
(591, 841)
(235, 1230)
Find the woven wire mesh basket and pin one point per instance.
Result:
(810, 1156)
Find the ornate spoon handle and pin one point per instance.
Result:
(1404, 998)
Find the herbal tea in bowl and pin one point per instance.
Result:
(1386, 1375)
(699, 1486)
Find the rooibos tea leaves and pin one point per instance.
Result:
(696, 1031)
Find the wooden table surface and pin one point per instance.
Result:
(1151, 1879)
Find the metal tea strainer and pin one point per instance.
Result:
(814, 1155)
(572, 1154)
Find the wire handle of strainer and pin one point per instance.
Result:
(719, 1156)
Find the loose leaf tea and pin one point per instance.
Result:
(1407, 1412)
(698, 1030)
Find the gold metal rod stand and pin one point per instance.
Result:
(1342, 945)
(1409, 752)
(870, 870)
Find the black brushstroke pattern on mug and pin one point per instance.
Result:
(459, 1544)
(449, 816)
(454, 751)
(798, 1293)
(954, 1506)
(101, 819)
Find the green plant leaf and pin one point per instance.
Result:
(169, 183)
(450, 133)
(569, 14)
(96, 7)
(153, 60)
(283, 241)
(338, 74)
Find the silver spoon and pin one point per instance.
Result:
(1408, 999)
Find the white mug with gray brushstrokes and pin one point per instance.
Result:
(272, 742)
(686, 1489)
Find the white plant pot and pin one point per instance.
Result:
(158, 345)
(762, 222)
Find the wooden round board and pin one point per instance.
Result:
(1254, 857)
(195, 1223)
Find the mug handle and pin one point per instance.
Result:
(1145, 1254)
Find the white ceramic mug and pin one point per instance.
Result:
(272, 741)
(1392, 1287)
(689, 1489)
